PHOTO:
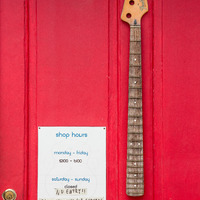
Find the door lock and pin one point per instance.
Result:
(9, 194)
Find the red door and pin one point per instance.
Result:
(65, 63)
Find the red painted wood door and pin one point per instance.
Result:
(65, 63)
(176, 105)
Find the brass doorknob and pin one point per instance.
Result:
(9, 194)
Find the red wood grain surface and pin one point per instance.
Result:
(12, 97)
(176, 100)
(65, 63)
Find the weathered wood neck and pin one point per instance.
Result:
(135, 175)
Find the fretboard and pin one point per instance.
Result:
(135, 175)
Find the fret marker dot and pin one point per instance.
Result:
(134, 120)
(135, 59)
(135, 82)
(139, 144)
(135, 175)
(135, 163)
(134, 101)
(134, 185)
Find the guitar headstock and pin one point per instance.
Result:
(133, 11)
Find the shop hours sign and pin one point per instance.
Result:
(71, 163)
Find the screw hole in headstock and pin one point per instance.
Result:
(128, 15)
(131, 2)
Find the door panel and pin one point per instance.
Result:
(72, 59)
(81, 79)
(12, 97)
(176, 100)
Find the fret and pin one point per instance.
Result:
(136, 183)
(135, 165)
(135, 33)
(135, 82)
(135, 176)
(135, 144)
(135, 106)
(135, 60)
(134, 53)
(135, 93)
(135, 103)
(135, 152)
(135, 47)
(135, 129)
(134, 158)
(135, 120)
(135, 71)
(135, 112)
(135, 192)
(135, 137)
(134, 180)
(132, 65)
(131, 169)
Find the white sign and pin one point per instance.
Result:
(71, 163)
